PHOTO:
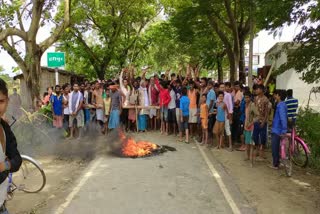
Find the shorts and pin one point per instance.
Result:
(58, 121)
(184, 124)
(164, 113)
(247, 137)
(227, 127)
(153, 113)
(204, 123)
(172, 115)
(193, 118)
(78, 120)
(259, 134)
(218, 128)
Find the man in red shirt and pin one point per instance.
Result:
(165, 98)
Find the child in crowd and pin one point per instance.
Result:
(56, 101)
(184, 112)
(204, 114)
(248, 125)
(218, 128)
(279, 126)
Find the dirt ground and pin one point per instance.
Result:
(270, 191)
(60, 174)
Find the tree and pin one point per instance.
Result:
(303, 55)
(20, 22)
(199, 41)
(105, 35)
(229, 19)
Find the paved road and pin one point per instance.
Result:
(183, 182)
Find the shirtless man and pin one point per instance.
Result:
(98, 103)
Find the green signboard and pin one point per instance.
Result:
(56, 59)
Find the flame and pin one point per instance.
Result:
(131, 148)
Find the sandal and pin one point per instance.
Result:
(186, 142)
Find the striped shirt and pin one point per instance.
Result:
(292, 105)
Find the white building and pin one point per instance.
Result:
(291, 79)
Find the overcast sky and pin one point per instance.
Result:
(262, 43)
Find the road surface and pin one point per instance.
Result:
(188, 181)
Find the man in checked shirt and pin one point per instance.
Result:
(261, 120)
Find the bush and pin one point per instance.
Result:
(308, 125)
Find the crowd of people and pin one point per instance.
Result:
(187, 106)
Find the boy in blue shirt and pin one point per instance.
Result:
(279, 126)
(57, 107)
(184, 112)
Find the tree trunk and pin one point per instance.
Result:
(101, 73)
(233, 65)
(32, 75)
(220, 69)
(242, 64)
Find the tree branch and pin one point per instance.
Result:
(20, 20)
(88, 49)
(35, 18)
(12, 32)
(220, 33)
(233, 23)
(14, 54)
(59, 29)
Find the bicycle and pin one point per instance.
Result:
(293, 149)
(30, 178)
(300, 151)
(30, 170)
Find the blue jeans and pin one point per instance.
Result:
(275, 139)
(259, 134)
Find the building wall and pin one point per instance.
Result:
(47, 79)
(291, 80)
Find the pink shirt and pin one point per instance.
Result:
(238, 96)
(228, 101)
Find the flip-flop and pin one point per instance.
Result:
(180, 141)
(186, 142)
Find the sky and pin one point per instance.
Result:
(262, 43)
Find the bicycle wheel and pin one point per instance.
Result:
(299, 155)
(30, 178)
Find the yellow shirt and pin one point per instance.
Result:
(107, 104)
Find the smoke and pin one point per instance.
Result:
(41, 139)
